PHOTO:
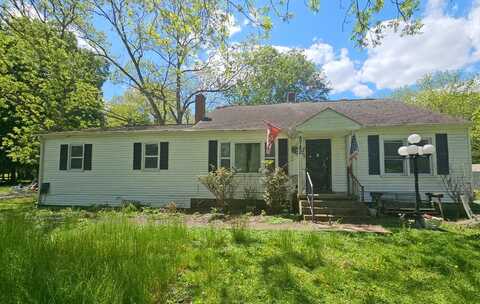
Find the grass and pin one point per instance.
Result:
(5, 189)
(71, 256)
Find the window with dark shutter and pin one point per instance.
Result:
(441, 142)
(63, 164)
(283, 154)
(373, 155)
(164, 156)
(87, 157)
(212, 155)
(137, 156)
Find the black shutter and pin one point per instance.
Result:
(63, 157)
(441, 141)
(373, 155)
(212, 155)
(164, 156)
(137, 156)
(87, 157)
(283, 154)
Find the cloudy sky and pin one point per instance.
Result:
(450, 40)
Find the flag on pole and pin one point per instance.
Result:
(353, 149)
(272, 133)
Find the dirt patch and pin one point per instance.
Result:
(277, 223)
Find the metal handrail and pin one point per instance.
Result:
(356, 187)
(310, 195)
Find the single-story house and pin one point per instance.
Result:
(161, 164)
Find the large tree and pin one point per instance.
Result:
(184, 46)
(268, 76)
(47, 83)
(451, 93)
(129, 109)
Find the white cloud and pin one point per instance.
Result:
(339, 69)
(446, 43)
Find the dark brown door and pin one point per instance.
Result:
(319, 164)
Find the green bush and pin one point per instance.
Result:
(277, 189)
(221, 184)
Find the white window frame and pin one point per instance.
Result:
(144, 155)
(429, 140)
(233, 155)
(406, 162)
(220, 157)
(406, 169)
(70, 157)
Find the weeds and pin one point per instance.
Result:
(74, 256)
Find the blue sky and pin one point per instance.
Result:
(450, 40)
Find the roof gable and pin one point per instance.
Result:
(328, 120)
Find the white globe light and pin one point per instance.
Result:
(420, 150)
(414, 139)
(428, 149)
(403, 151)
(412, 149)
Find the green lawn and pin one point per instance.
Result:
(108, 257)
(5, 189)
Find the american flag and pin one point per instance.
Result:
(353, 149)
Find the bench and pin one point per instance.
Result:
(404, 202)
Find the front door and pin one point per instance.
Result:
(319, 164)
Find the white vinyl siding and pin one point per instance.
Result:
(459, 159)
(113, 179)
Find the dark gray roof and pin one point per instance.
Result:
(366, 112)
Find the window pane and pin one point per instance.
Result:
(394, 163)
(247, 157)
(423, 164)
(272, 151)
(151, 149)
(151, 162)
(394, 166)
(77, 151)
(76, 163)
(225, 163)
(225, 150)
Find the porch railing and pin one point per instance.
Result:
(355, 189)
(310, 195)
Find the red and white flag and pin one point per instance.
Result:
(272, 133)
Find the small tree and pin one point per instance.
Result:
(456, 186)
(277, 188)
(220, 183)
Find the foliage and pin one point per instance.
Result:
(269, 75)
(277, 189)
(129, 109)
(158, 47)
(221, 183)
(451, 93)
(115, 260)
(47, 83)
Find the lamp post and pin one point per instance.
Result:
(414, 151)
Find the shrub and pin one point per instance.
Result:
(277, 189)
(221, 184)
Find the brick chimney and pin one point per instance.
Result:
(291, 97)
(199, 107)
